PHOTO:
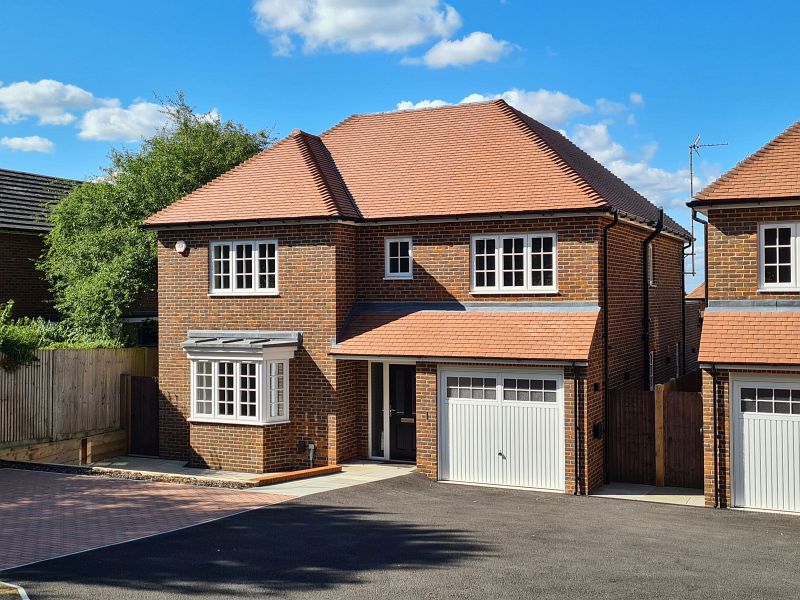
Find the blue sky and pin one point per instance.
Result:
(633, 83)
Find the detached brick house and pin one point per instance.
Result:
(431, 286)
(25, 200)
(750, 347)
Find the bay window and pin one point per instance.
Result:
(240, 391)
(244, 267)
(514, 263)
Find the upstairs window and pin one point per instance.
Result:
(398, 259)
(244, 267)
(514, 263)
(778, 245)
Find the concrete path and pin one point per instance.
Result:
(651, 493)
(353, 473)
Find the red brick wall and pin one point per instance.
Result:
(694, 327)
(307, 303)
(442, 260)
(733, 256)
(20, 281)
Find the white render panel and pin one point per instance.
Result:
(765, 450)
(502, 442)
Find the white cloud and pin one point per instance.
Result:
(636, 99)
(475, 47)
(596, 140)
(552, 108)
(354, 25)
(51, 101)
(31, 143)
(609, 107)
(114, 123)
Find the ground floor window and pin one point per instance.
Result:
(254, 391)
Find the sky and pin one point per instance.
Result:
(633, 83)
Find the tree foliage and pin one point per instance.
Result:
(99, 260)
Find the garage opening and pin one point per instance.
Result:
(502, 427)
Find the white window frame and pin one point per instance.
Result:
(233, 290)
(793, 285)
(387, 244)
(527, 287)
(263, 365)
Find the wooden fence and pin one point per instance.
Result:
(68, 393)
(655, 437)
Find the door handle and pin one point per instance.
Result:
(500, 454)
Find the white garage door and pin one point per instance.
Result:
(766, 443)
(502, 428)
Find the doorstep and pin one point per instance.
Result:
(651, 493)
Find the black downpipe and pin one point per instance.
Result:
(605, 343)
(578, 462)
(715, 436)
(646, 296)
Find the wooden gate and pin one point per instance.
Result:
(143, 416)
(631, 436)
(683, 432)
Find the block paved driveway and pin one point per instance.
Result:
(410, 538)
(45, 515)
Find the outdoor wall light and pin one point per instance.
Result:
(180, 246)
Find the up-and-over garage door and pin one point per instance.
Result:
(502, 428)
(765, 444)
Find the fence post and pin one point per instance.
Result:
(661, 455)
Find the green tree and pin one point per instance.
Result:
(99, 260)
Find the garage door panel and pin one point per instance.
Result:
(765, 447)
(533, 446)
(471, 454)
(486, 438)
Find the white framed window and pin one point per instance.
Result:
(543, 388)
(244, 267)
(651, 265)
(398, 261)
(778, 250)
(514, 263)
(239, 390)
(770, 398)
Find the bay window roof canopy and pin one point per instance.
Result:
(274, 344)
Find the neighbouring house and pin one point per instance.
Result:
(693, 322)
(25, 200)
(750, 353)
(25, 203)
(458, 287)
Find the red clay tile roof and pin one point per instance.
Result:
(772, 172)
(756, 338)
(469, 159)
(470, 334)
(698, 293)
(295, 178)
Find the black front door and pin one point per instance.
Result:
(402, 412)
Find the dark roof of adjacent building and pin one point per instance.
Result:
(772, 172)
(25, 199)
(466, 160)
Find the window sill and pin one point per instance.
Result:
(235, 422)
(398, 278)
(537, 292)
(241, 294)
(771, 290)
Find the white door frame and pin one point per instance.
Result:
(735, 383)
(499, 372)
(386, 444)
